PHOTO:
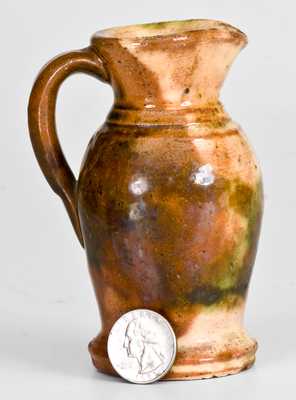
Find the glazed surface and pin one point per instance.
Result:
(170, 194)
(170, 219)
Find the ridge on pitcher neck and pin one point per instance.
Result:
(212, 115)
(168, 71)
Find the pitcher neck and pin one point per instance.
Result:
(170, 71)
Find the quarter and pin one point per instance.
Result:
(141, 346)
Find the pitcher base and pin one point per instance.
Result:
(189, 364)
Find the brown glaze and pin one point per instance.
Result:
(168, 202)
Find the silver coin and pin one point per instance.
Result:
(141, 346)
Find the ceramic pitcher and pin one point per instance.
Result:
(168, 201)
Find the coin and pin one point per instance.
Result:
(141, 346)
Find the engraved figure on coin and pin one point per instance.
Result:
(141, 343)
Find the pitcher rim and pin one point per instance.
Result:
(168, 29)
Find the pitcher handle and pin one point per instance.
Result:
(41, 118)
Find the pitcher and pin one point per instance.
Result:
(168, 201)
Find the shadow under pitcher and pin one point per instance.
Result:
(168, 201)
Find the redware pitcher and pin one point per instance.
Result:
(168, 201)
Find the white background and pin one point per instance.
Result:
(47, 307)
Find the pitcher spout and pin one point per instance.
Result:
(169, 65)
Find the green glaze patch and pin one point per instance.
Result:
(230, 273)
(248, 203)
